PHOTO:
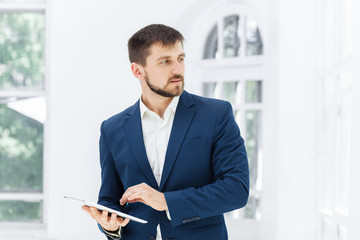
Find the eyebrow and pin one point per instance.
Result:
(165, 57)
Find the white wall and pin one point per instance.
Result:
(298, 66)
(90, 80)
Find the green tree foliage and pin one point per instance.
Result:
(20, 211)
(21, 152)
(22, 37)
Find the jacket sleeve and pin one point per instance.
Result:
(230, 189)
(111, 188)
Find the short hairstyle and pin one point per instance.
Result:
(139, 44)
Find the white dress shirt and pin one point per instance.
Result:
(156, 133)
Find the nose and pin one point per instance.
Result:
(178, 68)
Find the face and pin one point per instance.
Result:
(164, 70)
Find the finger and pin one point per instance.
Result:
(86, 209)
(134, 188)
(134, 196)
(96, 214)
(137, 200)
(113, 218)
(124, 222)
(104, 216)
(126, 195)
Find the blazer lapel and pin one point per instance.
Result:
(135, 135)
(184, 114)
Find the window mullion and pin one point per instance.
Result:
(243, 36)
(220, 24)
(22, 7)
(22, 196)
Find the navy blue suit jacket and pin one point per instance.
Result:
(205, 172)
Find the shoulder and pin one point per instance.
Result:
(207, 104)
(119, 118)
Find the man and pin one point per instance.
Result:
(174, 159)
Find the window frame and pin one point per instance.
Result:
(229, 69)
(339, 65)
(7, 228)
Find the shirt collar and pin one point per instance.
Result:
(172, 106)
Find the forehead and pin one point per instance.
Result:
(158, 50)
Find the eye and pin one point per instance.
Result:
(181, 59)
(164, 61)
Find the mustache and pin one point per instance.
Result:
(177, 77)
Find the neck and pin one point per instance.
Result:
(156, 103)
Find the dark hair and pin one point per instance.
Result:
(139, 44)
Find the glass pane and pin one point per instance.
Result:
(209, 89)
(211, 46)
(252, 209)
(343, 140)
(21, 150)
(20, 211)
(347, 27)
(231, 35)
(331, 35)
(22, 37)
(230, 91)
(253, 92)
(237, 115)
(343, 233)
(254, 44)
(253, 148)
(253, 125)
(328, 143)
(329, 230)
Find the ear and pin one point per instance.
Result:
(138, 71)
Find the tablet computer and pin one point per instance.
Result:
(110, 210)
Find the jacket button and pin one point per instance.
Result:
(152, 238)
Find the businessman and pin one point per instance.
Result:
(173, 158)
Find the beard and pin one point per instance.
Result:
(165, 91)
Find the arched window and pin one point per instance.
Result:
(231, 67)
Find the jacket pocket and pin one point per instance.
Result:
(207, 227)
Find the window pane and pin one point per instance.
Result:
(253, 148)
(237, 115)
(347, 26)
(331, 35)
(230, 91)
(343, 233)
(22, 37)
(21, 151)
(209, 89)
(253, 92)
(328, 142)
(329, 231)
(252, 209)
(20, 211)
(211, 46)
(254, 44)
(343, 141)
(231, 35)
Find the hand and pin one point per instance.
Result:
(145, 194)
(111, 224)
